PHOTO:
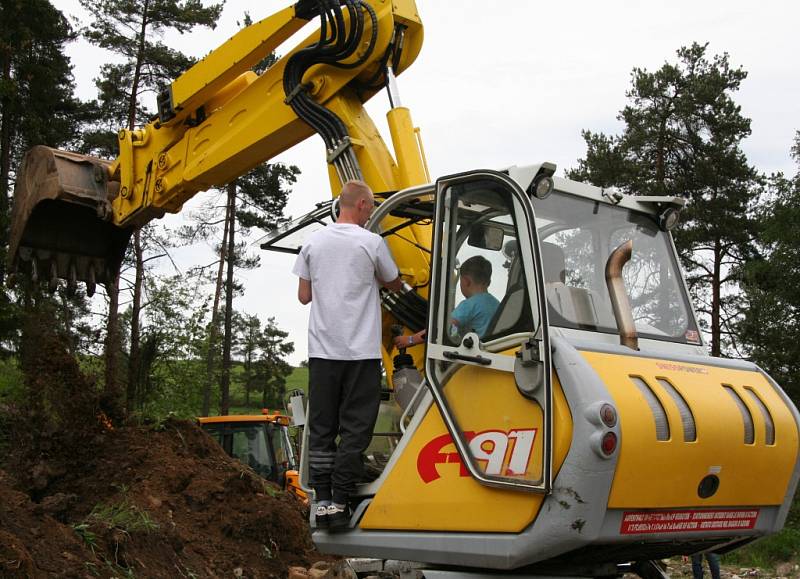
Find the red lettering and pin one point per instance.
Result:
(431, 455)
(490, 448)
(696, 521)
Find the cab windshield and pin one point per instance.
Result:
(577, 236)
(246, 442)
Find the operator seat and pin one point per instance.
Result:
(555, 265)
(574, 305)
(513, 313)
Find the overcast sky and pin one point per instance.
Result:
(512, 82)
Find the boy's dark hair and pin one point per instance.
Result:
(479, 269)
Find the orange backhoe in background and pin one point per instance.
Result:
(262, 442)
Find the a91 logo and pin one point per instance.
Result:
(489, 448)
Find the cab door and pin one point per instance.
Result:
(488, 356)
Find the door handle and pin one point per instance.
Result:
(451, 355)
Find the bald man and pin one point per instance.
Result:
(340, 270)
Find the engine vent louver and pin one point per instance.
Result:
(659, 414)
(687, 418)
(747, 418)
(769, 424)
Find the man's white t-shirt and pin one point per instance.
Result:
(346, 265)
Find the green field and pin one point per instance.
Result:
(297, 380)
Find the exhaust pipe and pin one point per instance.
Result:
(619, 297)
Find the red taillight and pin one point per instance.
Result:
(609, 443)
(608, 415)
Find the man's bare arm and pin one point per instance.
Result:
(304, 291)
(395, 285)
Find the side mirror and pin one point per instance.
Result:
(486, 237)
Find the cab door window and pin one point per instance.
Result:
(487, 290)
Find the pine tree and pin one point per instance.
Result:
(130, 28)
(37, 106)
(271, 368)
(770, 329)
(681, 138)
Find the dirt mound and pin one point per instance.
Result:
(33, 544)
(151, 502)
(83, 498)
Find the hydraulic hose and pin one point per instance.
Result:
(337, 42)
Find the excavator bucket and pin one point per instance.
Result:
(61, 221)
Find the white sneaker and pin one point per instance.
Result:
(321, 516)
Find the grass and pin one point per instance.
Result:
(297, 380)
(123, 515)
(768, 552)
(773, 550)
(86, 535)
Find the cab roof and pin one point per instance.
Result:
(275, 417)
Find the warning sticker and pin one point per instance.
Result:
(635, 522)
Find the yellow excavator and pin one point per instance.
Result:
(584, 433)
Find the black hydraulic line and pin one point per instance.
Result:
(414, 243)
(409, 308)
(397, 51)
(325, 123)
(337, 42)
(305, 109)
(394, 51)
(372, 41)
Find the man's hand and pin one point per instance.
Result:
(412, 340)
(395, 285)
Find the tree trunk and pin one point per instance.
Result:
(5, 160)
(113, 391)
(137, 72)
(134, 359)
(249, 365)
(716, 302)
(134, 393)
(213, 335)
(225, 382)
(660, 156)
(247, 383)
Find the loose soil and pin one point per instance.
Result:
(183, 509)
(82, 496)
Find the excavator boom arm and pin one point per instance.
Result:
(216, 122)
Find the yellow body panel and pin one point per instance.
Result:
(483, 400)
(749, 474)
(240, 53)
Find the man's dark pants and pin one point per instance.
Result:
(344, 398)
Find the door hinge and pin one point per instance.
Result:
(529, 354)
